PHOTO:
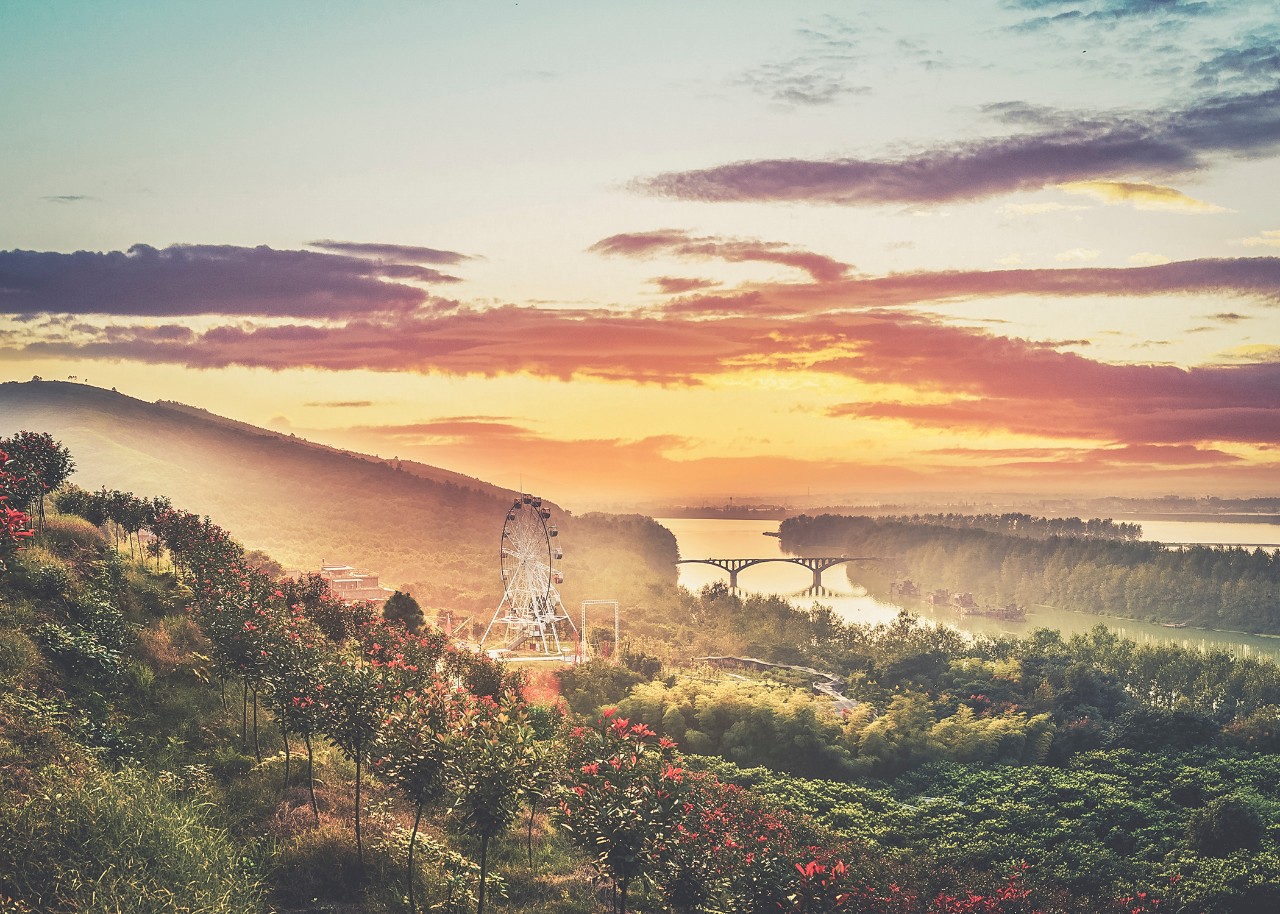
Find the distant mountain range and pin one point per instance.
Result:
(304, 503)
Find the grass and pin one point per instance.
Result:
(105, 842)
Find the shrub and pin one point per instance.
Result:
(79, 651)
(1224, 825)
(591, 685)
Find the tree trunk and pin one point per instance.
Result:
(622, 897)
(484, 872)
(359, 844)
(311, 776)
(244, 714)
(284, 734)
(257, 749)
(413, 839)
(533, 808)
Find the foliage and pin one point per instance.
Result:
(1228, 823)
(1206, 586)
(402, 608)
(1108, 821)
(122, 842)
(15, 524)
(1026, 525)
(624, 802)
(750, 723)
(588, 687)
(41, 464)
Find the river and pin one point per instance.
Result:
(719, 538)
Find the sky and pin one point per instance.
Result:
(624, 252)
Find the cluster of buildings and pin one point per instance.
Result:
(352, 586)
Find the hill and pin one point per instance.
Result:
(302, 503)
(436, 474)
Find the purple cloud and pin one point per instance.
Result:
(208, 279)
(677, 243)
(398, 253)
(678, 285)
(1252, 277)
(1063, 148)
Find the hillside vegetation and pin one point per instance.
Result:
(136, 778)
(184, 732)
(433, 532)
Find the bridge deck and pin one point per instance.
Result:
(816, 564)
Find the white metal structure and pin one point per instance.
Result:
(530, 609)
(583, 649)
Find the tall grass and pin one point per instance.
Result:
(122, 842)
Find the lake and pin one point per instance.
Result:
(720, 538)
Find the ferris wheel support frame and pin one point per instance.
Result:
(533, 608)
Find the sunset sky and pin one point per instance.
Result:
(667, 250)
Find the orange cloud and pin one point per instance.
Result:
(1141, 195)
(975, 379)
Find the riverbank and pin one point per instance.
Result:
(705, 538)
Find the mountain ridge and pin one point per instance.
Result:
(303, 503)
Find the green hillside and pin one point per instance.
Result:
(302, 503)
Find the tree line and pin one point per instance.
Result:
(1018, 524)
(1224, 588)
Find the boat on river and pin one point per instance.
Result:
(905, 588)
(1010, 612)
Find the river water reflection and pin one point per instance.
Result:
(719, 538)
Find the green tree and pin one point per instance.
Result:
(353, 707)
(415, 749)
(403, 608)
(496, 753)
(43, 462)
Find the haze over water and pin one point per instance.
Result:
(720, 538)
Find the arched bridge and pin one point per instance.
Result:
(816, 564)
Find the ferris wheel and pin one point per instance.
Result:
(530, 609)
